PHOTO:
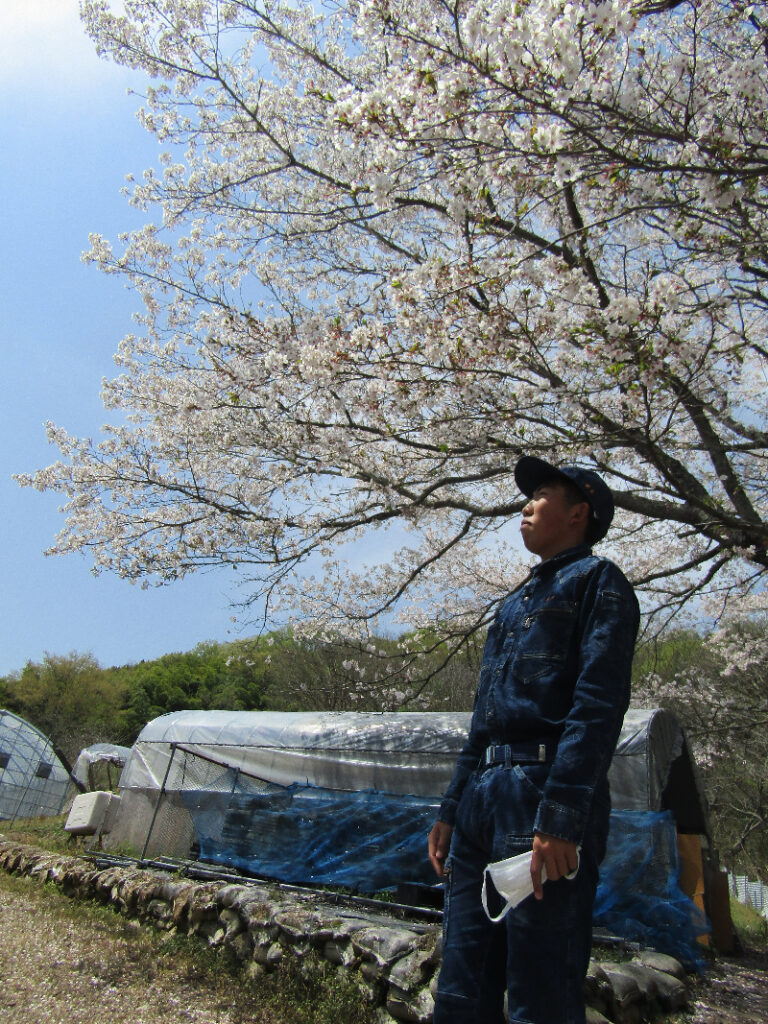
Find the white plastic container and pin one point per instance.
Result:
(91, 813)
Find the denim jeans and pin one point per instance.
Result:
(540, 951)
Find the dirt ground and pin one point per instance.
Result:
(733, 991)
(61, 966)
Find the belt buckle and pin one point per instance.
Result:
(542, 752)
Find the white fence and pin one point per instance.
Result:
(751, 894)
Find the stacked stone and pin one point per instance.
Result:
(394, 962)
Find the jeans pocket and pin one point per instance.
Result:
(515, 843)
(514, 808)
(532, 778)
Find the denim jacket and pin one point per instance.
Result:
(556, 670)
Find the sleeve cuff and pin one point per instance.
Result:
(563, 822)
(447, 812)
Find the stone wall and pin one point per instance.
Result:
(394, 961)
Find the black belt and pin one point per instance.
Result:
(530, 752)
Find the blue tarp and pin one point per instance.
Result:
(370, 841)
(639, 897)
(367, 841)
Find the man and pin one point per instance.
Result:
(553, 688)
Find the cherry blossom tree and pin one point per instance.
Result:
(395, 244)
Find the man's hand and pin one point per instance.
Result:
(558, 856)
(439, 845)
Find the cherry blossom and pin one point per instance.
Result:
(395, 245)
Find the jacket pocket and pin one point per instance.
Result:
(545, 641)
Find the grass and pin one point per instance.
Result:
(46, 833)
(752, 928)
(306, 992)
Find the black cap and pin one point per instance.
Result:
(531, 473)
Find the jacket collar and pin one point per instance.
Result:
(562, 558)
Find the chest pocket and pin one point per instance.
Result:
(546, 641)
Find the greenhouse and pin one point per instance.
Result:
(33, 781)
(348, 798)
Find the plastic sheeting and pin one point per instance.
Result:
(33, 781)
(638, 896)
(649, 742)
(98, 753)
(393, 752)
(653, 770)
(396, 753)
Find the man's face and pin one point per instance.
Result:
(550, 523)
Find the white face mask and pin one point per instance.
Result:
(512, 880)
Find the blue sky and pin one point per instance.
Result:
(69, 138)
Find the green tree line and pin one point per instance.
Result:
(76, 702)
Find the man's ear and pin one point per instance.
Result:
(580, 513)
